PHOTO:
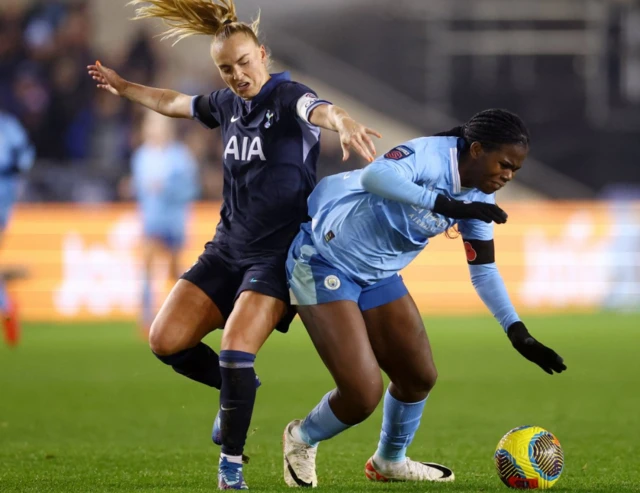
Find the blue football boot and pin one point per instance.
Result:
(230, 476)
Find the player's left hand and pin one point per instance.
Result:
(355, 135)
(546, 358)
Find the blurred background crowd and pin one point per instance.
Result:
(570, 68)
(84, 137)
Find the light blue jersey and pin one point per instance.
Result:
(370, 237)
(165, 182)
(16, 157)
(367, 225)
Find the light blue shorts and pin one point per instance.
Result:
(313, 280)
(169, 239)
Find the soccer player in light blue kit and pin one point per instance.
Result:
(165, 182)
(365, 227)
(16, 157)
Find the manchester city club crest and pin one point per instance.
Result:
(332, 282)
(269, 117)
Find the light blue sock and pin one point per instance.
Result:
(4, 299)
(321, 424)
(400, 421)
(147, 302)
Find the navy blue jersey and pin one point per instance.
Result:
(270, 155)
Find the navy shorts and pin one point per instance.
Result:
(313, 280)
(224, 280)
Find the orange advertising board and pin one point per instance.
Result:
(83, 262)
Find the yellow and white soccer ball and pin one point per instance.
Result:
(529, 458)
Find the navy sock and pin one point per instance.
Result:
(199, 363)
(237, 397)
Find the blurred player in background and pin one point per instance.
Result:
(343, 268)
(165, 183)
(270, 127)
(16, 157)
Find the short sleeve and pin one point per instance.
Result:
(206, 110)
(302, 100)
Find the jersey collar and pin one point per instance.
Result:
(270, 85)
(455, 173)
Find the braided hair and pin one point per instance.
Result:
(491, 128)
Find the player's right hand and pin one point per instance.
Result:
(107, 79)
(457, 209)
(546, 358)
(355, 135)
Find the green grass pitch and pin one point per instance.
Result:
(89, 409)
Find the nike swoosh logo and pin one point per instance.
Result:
(235, 119)
(295, 477)
(222, 408)
(446, 472)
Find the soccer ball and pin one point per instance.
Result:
(529, 458)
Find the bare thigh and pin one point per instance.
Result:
(252, 320)
(339, 335)
(400, 343)
(186, 316)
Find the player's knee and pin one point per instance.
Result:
(426, 381)
(417, 385)
(369, 403)
(162, 343)
(422, 384)
(364, 399)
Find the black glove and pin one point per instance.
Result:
(546, 358)
(457, 209)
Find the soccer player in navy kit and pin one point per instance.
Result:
(365, 227)
(270, 131)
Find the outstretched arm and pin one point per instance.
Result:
(490, 287)
(352, 134)
(164, 101)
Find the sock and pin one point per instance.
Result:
(400, 421)
(321, 424)
(147, 303)
(234, 459)
(199, 363)
(237, 397)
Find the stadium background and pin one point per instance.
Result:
(82, 388)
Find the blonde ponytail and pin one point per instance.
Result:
(185, 18)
